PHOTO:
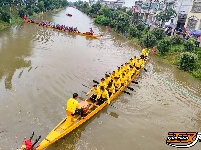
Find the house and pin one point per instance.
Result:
(193, 21)
(113, 3)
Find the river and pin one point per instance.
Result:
(41, 68)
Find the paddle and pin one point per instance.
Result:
(122, 91)
(36, 141)
(31, 136)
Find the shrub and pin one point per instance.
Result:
(176, 40)
(187, 61)
(159, 33)
(189, 45)
(102, 20)
(4, 16)
(149, 40)
(134, 32)
(140, 27)
(197, 73)
(164, 46)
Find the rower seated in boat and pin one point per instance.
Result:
(107, 79)
(111, 89)
(117, 83)
(96, 91)
(128, 75)
(142, 62)
(123, 79)
(103, 83)
(73, 107)
(31, 20)
(144, 53)
(137, 64)
(118, 72)
(103, 96)
(132, 71)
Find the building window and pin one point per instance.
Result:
(192, 22)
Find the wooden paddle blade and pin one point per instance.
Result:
(130, 88)
(85, 86)
(134, 82)
(127, 92)
(95, 81)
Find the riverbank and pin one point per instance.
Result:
(184, 53)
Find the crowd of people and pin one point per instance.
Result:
(109, 85)
(60, 27)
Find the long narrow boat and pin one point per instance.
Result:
(61, 130)
(87, 34)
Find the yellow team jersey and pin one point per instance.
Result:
(104, 94)
(112, 76)
(118, 73)
(72, 105)
(133, 71)
(141, 61)
(107, 80)
(103, 84)
(124, 80)
(144, 52)
(128, 76)
(95, 91)
(117, 83)
(131, 62)
(137, 64)
(134, 61)
(111, 89)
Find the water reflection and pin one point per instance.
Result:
(12, 55)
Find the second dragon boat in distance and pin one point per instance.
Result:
(65, 127)
(87, 34)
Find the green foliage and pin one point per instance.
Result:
(134, 32)
(41, 6)
(176, 40)
(149, 40)
(159, 33)
(189, 45)
(197, 73)
(164, 46)
(102, 20)
(4, 16)
(141, 27)
(187, 61)
(166, 15)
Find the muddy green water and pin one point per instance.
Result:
(40, 69)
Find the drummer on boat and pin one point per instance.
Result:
(73, 107)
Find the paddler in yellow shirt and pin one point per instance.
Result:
(131, 62)
(134, 60)
(103, 96)
(113, 75)
(122, 69)
(137, 65)
(111, 89)
(142, 62)
(73, 107)
(102, 83)
(96, 91)
(144, 52)
(132, 71)
(118, 72)
(128, 75)
(107, 79)
(123, 80)
(117, 83)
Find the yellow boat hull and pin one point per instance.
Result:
(82, 34)
(58, 132)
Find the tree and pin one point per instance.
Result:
(159, 33)
(149, 40)
(166, 15)
(189, 45)
(164, 46)
(187, 61)
(102, 20)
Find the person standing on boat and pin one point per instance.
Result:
(96, 91)
(103, 96)
(73, 107)
(91, 31)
